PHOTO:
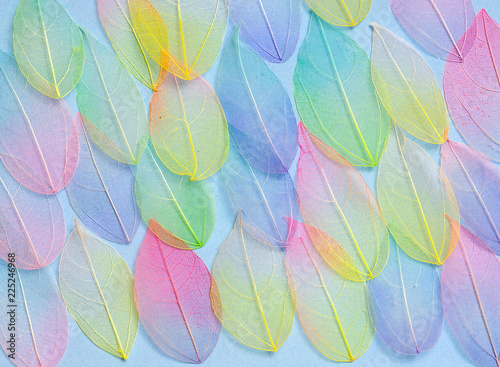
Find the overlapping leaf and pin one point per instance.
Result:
(336, 313)
(336, 97)
(38, 135)
(102, 193)
(183, 207)
(408, 87)
(335, 199)
(259, 112)
(417, 201)
(344, 13)
(48, 47)
(98, 288)
(111, 104)
(471, 298)
(116, 19)
(271, 28)
(172, 288)
(41, 323)
(407, 298)
(472, 88)
(257, 305)
(188, 127)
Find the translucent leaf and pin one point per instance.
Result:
(259, 112)
(38, 135)
(181, 206)
(41, 320)
(471, 298)
(407, 298)
(408, 87)
(263, 198)
(336, 313)
(472, 88)
(416, 198)
(195, 33)
(475, 181)
(257, 305)
(336, 97)
(172, 288)
(102, 193)
(111, 104)
(188, 127)
(270, 27)
(335, 199)
(100, 293)
(48, 47)
(437, 24)
(116, 19)
(31, 225)
(344, 13)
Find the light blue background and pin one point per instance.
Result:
(298, 350)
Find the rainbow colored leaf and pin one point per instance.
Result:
(472, 88)
(172, 288)
(41, 326)
(259, 112)
(344, 13)
(417, 201)
(98, 289)
(336, 313)
(471, 298)
(111, 104)
(257, 305)
(438, 25)
(195, 33)
(183, 207)
(263, 198)
(271, 28)
(48, 47)
(102, 193)
(335, 199)
(408, 87)
(336, 98)
(38, 135)
(188, 127)
(116, 19)
(407, 298)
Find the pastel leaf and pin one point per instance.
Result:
(417, 201)
(183, 207)
(257, 305)
(102, 193)
(335, 199)
(470, 282)
(41, 320)
(438, 25)
(38, 135)
(188, 127)
(259, 112)
(336, 313)
(472, 88)
(271, 28)
(408, 87)
(111, 104)
(344, 13)
(336, 98)
(172, 288)
(100, 294)
(48, 47)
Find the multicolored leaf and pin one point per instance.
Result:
(172, 288)
(335, 199)
(408, 87)
(48, 46)
(336, 98)
(344, 13)
(100, 293)
(188, 127)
